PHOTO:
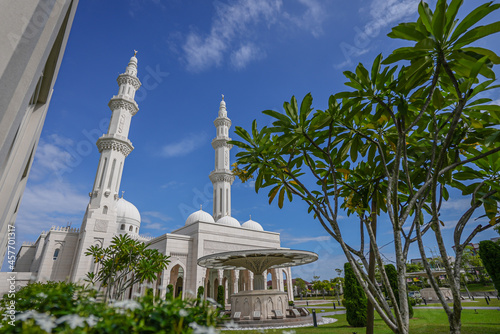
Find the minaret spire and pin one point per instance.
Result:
(99, 222)
(222, 177)
(115, 145)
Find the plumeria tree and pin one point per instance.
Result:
(396, 144)
(124, 263)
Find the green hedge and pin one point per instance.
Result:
(70, 308)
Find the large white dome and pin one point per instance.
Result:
(199, 216)
(229, 221)
(127, 213)
(252, 225)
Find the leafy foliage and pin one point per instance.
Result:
(489, 252)
(393, 280)
(221, 299)
(396, 143)
(354, 299)
(124, 263)
(69, 308)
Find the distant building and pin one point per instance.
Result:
(59, 254)
(33, 36)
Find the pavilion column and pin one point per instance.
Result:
(274, 279)
(259, 282)
(280, 279)
(236, 277)
(221, 275)
(250, 281)
(289, 283)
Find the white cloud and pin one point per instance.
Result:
(156, 214)
(387, 12)
(300, 240)
(245, 54)
(52, 203)
(240, 20)
(457, 206)
(51, 157)
(312, 18)
(229, 22)
(184, 147)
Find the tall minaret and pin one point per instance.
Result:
(222, 177)
(99, 223)
(115, 146)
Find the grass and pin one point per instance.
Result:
(476, 302)
(478, 287)
(425, 321)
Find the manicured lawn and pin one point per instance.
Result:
(475, 287)
(425, 321)
(476, 302)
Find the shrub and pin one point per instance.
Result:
(354, 299)
(489, 252)
(70, 308)
(221, 300)
(170, 292)
(392, 275)
(201, 292)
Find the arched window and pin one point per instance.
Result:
(136, 229)
(130, 228)
(56, 254)
(105, 210)
(122, 227)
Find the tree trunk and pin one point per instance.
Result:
(370, 311)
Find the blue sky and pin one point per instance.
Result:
(258, 53)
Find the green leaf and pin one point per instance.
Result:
(376, 67)
(485, 52)
(277, 115)
(476, 34)
(425, 15)
(281, 198)
(451, 13)
(406, 31)
(439, 19)
(305, 107)
(472, 18)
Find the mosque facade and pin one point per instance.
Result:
(59, 254)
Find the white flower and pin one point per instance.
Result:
(42, 295)
(73, 320)
(198, 329)
(183, 313)
(213, 302)
(231, 324)
(288, 332)
(92, 320)
(26, 315)
(128, 304)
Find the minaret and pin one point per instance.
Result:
(99, 222)
(222, 177)
(115, 146)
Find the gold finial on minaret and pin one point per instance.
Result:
(123, 192)
(222, 97)
(135, 53)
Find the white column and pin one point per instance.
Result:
(236, 276)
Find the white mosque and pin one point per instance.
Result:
(58, 255)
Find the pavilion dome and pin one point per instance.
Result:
(252, 225)
(199, 216)
(127, 213)
(229, 221)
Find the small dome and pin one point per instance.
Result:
(126, 212)
(229, 221)
(199, 216)
(252, 225)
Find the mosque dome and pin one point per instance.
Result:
(229, 221)
(252, 225)
(199, 216)
(127, 213)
